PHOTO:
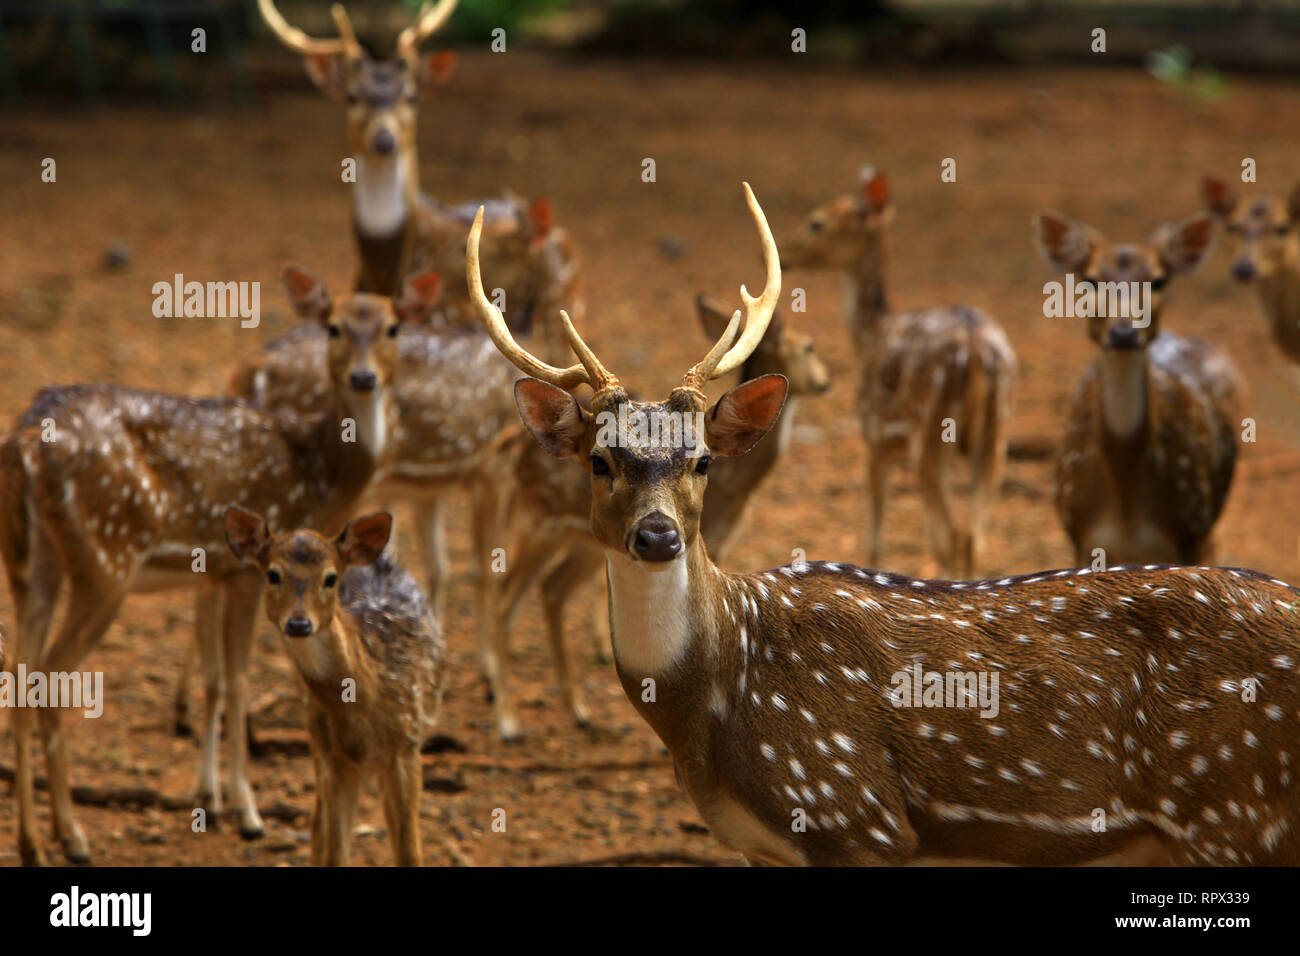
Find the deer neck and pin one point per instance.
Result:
(384, 200)
(1279, 294)
(329, 656)
(866, 300)
(1124, 398)
(345, 446)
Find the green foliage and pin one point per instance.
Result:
(1200, 86)
(477, 18)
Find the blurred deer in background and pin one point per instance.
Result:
(934, 381)
(1264, 248)
(371, 655)
(117, 490)
(1151, 434)
(786, 697)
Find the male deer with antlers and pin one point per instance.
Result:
(776, 692)
(349, 614)
(1265, 251)
(922, 371)
(117, 490)
(1151, 434)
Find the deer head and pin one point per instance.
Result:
(1258, 230)
(648, 461)
(302, 568)
(839, 234)
(380, 95)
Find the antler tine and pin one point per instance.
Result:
(294, 38)
(597, 375)
(758, 309)
(349, 37)
(427, 23)
(500, 334)
(702, 371)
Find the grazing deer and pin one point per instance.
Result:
(369, 650)
(395, 226)
(1265, 251)
(1151, 434)
(933, 381)
(550, 505)
(119, 490)
(1160, 701)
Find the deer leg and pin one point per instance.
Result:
(402, 790)
(35, 596)
(207, 625)
(322, 816)
(944, 538)
(241, 599)
(346, 788)
(181, 726)
(91, 610)
(486, 524)
(877, 475)
(557, 587)
(433, 552)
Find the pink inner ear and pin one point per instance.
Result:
(427, 286)
(299, 281)
(876, 189)
(440, 66)
(542, 215)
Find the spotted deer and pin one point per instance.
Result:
(549, 504)
(369, 650)
(1157, 700)
(397, 229)
(118, 490)
(933, 381)
(1264, 236)
(1151, 432)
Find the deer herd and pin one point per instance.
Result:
(1142, 689)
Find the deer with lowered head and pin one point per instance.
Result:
(366, 645)
(784, 696)
(117, 490)
(1151, 433)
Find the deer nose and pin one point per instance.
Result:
(363, 380)
(655, 538)
(298, 626)
(384, 142)
(1243, 269)
(1122, 337)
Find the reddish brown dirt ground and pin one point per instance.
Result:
(221, 195)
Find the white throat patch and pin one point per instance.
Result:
(379, 196)
(1123, 391)
(650, 614)
(367, 409)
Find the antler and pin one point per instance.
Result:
(724, 356)
(296, 40)
(429, 21)
(589, 372)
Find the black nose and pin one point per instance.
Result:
(363, 380)
(384, 142)
(1243, 269)
(1122, 337)
(655, 538)
(297, 627)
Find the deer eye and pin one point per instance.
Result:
(816, 225)
(392, 331)
(331, 579)
(1159, 283)
(273, 577)
(702, 466)
(1283, 230)
(335, 332)
(599, 466)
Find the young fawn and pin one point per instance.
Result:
(1151, 433)
(394, 225)
(1159, 700)
(934, 381)
(1264, 238)
(549, 504)
(369, 650)
(119, 490)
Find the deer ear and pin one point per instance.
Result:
(1066, 244)
(714, 319)
(307, 294)
(1293, 204)
(873, 190)
(436, 68)
(247, 535)
(326, 71)
(745, 414)
(552, 416)
(419, 297)
(365, 538)
(542, 215)
(1219, 197)
(1183, 247)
